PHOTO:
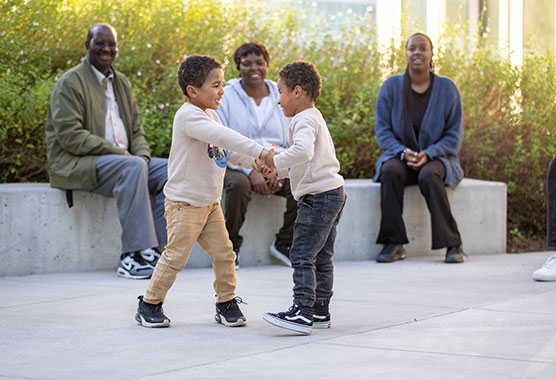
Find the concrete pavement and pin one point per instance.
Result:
(417, 319)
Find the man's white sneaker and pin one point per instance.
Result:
(547, 271)
(133, 266)
(150, 255)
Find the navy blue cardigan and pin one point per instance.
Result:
(441, 131)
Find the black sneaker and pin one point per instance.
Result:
(321, 317)
(390, 253)
(132, 265)
(228, 313)
(150, 315)
(150, 255)
(281, 252)
(236, 251)
(296, 319)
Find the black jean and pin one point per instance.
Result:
(551, 205)
(313, 246)
(394, 176)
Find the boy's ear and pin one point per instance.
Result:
(191, 90)
(297, 91)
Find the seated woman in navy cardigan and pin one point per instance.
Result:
(418, 125)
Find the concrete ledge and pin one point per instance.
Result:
(40, 234)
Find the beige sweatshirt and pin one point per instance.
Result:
(197, 161)
(311, 157)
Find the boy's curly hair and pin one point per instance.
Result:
(195, 70)
(256, 48)
(303, 74)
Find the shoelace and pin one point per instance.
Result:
(237, 301)
(551, 262)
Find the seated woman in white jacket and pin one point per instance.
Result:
(250, 107)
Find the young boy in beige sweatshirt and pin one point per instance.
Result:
(319, 190)
(196, 169)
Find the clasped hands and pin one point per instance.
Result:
(415, 160)
(265, 163)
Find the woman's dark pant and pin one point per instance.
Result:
(313, 246)
(551, 206)
(394, 176)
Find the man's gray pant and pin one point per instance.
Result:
(137, 187)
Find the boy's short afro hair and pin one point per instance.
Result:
(195, 71)
(303, 74)
(256, 48)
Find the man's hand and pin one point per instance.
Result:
(126, 153)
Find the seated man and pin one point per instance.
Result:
(250, 107)
(95, 143)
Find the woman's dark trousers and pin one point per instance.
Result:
(394, 176)
(551, 207)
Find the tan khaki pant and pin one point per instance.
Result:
(187, 225)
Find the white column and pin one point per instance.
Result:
(388, 20)
(504, 27)
(474, 14)
(516, 31)
(436, 17)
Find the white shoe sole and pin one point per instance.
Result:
(543, 277)
(287, 325)
(139, 318)
(240, 322)
(322, 325)
(279, 256)
(125, 274)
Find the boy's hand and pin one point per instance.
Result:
(267, 172)
(269, 159)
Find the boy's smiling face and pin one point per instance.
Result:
(287, 100)
(210, 93)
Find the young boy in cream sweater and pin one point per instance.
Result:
(196, 168)
(319, 190)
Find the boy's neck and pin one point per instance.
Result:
(192, 101)
(304, 106)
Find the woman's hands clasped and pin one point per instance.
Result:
(415, 160)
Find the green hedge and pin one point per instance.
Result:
(509, 111)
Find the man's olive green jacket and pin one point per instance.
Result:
(75, 126)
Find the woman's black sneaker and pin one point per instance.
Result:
(228, 313)
(150, 315)
(296, 319)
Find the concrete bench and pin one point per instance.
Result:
(40, 234)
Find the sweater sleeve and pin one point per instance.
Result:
(452, 136)
(384, 128)
(67, 110)
(203, 128)
(302, 148)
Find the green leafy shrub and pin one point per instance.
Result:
(508, 110)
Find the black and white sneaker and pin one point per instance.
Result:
(321, 316)
(281, 252)
(321, 321)
(150, 315)
(296, 319)
(228, 313)
(150, 255)
(132, 265)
